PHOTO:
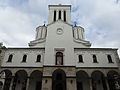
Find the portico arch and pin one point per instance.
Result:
(20, 80)
(113, 80)
(7, 75)
(82, 81)
(98, 81)
(58, 80)
(35, 80)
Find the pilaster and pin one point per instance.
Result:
(71, 84)
(46, 83)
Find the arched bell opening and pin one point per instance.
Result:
(82, 81)
(113, 80)
(58, 80)
(20, 80)
(35, 80)
(98, 81)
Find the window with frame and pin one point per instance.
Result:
(59, 58)
(38, 58)
(10, 58)
(24, 58)
(95, 59)
(80, 58)
(109, 59)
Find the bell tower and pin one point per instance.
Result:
(59, 12)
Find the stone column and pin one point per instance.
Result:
(62, 15)
(27, 83)
(57, 15)
(90, 80)
(107, 84)
(11, 84)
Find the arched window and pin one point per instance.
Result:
(10, 58)
(65, 16)
(94, 59)
(59, 58)
(38, 58)
(80, 58)
(24, 58)
(109, 59)
(59, 14)
(54, 15)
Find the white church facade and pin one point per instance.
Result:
(59, 59)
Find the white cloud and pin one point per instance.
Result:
(17, 28)
(100, 18)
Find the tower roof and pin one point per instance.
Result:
(60, 5)
(63, 6)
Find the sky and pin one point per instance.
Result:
(99, 18)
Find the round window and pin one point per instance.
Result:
(59, 31)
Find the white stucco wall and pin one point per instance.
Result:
(64, 42)
(70, 58)
(101, 55)
(18, 55)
